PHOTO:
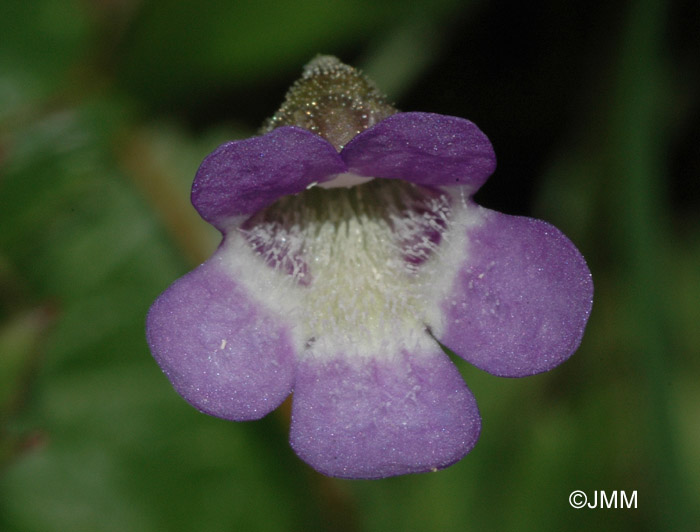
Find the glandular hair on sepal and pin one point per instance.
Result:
(333, 100)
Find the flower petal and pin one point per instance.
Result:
(521, 300)
(379, 418)
(241, 177)
(223, 352)
(424, 148)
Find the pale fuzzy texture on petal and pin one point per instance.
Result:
(378, 418)
(223, 352)
(241, 177)
(521, 299)
(423, 148)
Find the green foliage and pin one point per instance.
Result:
(41, 42)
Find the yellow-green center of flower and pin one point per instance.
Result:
(352, 263)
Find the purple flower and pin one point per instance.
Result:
(351, 251)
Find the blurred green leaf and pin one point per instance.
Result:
(41, 40)
(20, 340)
(177, 48)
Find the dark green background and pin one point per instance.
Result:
(108, 106)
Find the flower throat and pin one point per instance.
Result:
(357, 256)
